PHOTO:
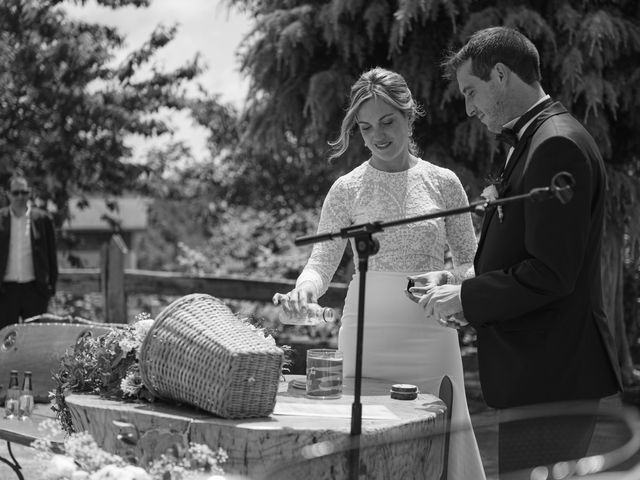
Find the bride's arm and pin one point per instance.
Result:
(325, 256)
(460, 233)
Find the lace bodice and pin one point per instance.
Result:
(366, 194)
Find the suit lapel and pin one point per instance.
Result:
(33, 228)
(525, 140)
(522, 148)
(488, 215)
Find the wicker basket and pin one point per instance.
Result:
(198, 352)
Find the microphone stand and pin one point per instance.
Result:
(367, 246)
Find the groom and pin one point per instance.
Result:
(536, 301)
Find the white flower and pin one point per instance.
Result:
(108, 472)
(128, 345)
(113, 472)
(142, 327)
(61, 466)
(131, 384)
(131, 472)
(80, 475)
(490, 193)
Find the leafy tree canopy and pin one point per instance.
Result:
(302, 57)
(65, 110)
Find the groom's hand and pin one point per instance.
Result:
(443, 302)
(419, 284)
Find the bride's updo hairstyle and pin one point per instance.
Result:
(383, 84)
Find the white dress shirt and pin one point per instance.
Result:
(20, 260)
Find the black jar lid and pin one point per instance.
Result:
(404, 391)
(297, 383)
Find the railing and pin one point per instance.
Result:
(115, 282)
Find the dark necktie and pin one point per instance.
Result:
(510, 135)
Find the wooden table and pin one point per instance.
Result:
(404, 441)
(24, 433)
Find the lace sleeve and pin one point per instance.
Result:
(326, 256)
(461, 236)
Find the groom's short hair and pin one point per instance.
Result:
(487, 47)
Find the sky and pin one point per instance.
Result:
(204, 26)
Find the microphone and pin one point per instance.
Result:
(561, 187)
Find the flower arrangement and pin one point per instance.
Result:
(80, 458)
(106, 365)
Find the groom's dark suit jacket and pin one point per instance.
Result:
(43, 247)
(536, 301)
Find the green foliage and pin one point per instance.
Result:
(65, 110)
(105, 365)
(227, 239)
(238, 214)
(590, 54)
(80, 457)
(113, 3)
(302, 57)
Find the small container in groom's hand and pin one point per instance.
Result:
(404, 391)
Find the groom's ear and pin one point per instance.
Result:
(501, 72)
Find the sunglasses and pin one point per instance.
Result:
(15, 193)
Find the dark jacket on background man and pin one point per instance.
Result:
(43, 246)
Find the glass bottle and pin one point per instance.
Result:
(314, 315)
(25, 402)
(13, 396)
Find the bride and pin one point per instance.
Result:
(400, 344)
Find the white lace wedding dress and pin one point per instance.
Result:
(400, 344)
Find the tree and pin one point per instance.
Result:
(302, 56)
(65, 111)
(235, 214)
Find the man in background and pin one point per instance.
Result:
(28, 263)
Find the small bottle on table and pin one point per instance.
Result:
(25, 402)
(13, 395)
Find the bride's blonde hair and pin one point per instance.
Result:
(377, 83)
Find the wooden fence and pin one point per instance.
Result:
(115, 283)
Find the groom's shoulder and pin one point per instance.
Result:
(562, 124)
(563, 131)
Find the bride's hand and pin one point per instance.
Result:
(296, 300)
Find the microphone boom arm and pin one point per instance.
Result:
(561, 185)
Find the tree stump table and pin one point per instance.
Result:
(303, 439)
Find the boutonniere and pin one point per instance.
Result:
(491, 194)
